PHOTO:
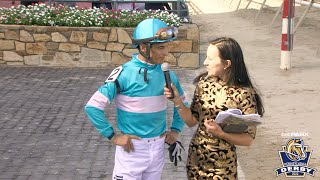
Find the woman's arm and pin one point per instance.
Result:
(242, 139)
(184, 112)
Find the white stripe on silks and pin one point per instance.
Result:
(98, 100)
(285, 60)
(149, 104)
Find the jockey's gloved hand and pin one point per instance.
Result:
(175, 151)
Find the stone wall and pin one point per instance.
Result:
(86, 46)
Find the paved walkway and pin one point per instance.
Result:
(44, 132)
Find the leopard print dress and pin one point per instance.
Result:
(210, 157)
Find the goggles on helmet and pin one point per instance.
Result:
(162, 34)
(167, 33)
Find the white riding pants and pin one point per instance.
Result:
(144, 163)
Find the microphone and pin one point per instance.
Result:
(165, 68)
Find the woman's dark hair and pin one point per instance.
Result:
(237, 74)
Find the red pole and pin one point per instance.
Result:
(287, 34)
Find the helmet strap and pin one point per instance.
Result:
(147, 54)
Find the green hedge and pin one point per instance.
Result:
(44, 15)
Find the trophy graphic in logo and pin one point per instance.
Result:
(295, 158)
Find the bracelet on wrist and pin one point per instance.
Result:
(178, 107)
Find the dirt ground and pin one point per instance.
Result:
(291, 98)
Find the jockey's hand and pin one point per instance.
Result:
(171, 136)
(175, 147)
(124, 141)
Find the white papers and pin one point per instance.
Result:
(233, 121)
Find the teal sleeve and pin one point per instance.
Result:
(95, 109)
(177, 123)
(99, 121)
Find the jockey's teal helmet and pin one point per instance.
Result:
(153, 31)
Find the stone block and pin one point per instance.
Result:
(20, 46)
(41, 37)
(12, 35)
(90, 36)
(101, 37)
(113, 35)
(22, 53)
(11, 27)
(33, 60)
(96, 45)
(11, 56)
(115, 47)
(25, 36)
(75, 56)
(93, 58)
(105, 65)
(52, 46)
(129, 46)
(6, 45)
(2, 36)
(193, 33)
(66, 34)
(195, 46)
(79, 37)
(31, 28)
(188, 60)
(181, 46)
(171, 60)
(48, 57)
(129, 52)
(68, 47)
(105, 30)
(106, 57)
(57, 37)
(51, 53)
(61, 28)
(36, 48)
(118, 58)
(42, 29)
(129, 31)
(176, 55)
(123, 36)
(90, 54)
(15, 63)
(182, 33)
(64, 59)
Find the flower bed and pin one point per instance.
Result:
(44, 15)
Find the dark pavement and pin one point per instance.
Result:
(45, 134)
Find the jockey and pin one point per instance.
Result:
(138, 90)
